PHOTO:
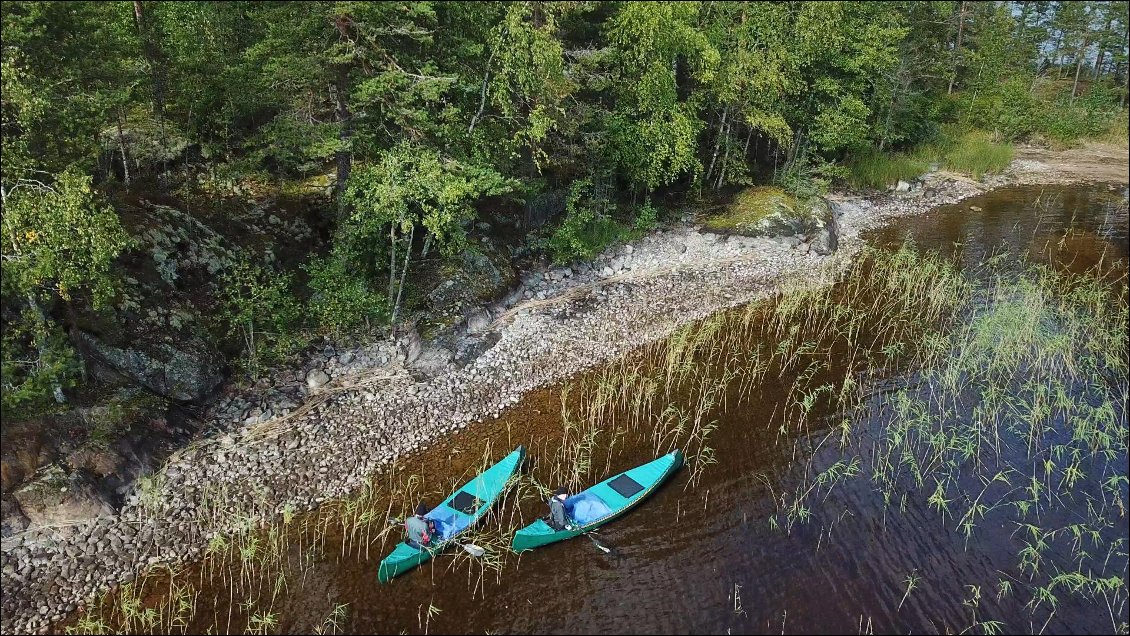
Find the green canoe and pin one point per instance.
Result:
(455, 515)
(601, 503)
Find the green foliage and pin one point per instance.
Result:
(647, 217)
(529, 83)
(1006, 108)
(1090, 115)
(261, 310)
(654, 131)
(806, 179)
(59, 238)
(37, 358)
(976, 153)
(873, 169)
(341, 298)
(414, 186)
(588, 226)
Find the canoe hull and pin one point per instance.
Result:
(539, 533)
(456, 515)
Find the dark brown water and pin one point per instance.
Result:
(705, 559)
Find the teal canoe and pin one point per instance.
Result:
(455, 515)
(601, 503)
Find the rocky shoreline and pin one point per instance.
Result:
(348, 414)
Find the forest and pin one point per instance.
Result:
(406, 124)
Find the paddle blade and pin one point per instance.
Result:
(474, 550)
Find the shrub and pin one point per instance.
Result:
(647, 217)
(341, 298)
(37, 358)
(588, 226)
(259, 308)
(809, 177)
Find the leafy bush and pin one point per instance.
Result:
(588, 226)
(36, 359)
(1006, 109)
(259, 308)
(647, 217)
(341, 298)
(1118, 131)
(1090, 115)
(807, 178)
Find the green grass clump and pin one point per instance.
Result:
(879, 170)
(971, 152)
(976, 154)
(749, 207)
(1118, 132)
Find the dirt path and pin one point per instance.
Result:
(1092, 163)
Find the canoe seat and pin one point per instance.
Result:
(586, 508)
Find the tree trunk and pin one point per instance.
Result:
(153, 55)
(1078, 67)
(725, 156)
(957, 47)
(717, 143)
(403, 274)
(344, 156)
(122, 145)
(482, 95)
(391, 259)
(1102, 48)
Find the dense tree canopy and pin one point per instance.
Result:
(416, 111)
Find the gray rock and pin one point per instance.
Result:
(824, 243)
(478, 321)
(12, 519)
(186, 372)
(316, 378)
(902, 186)
(606, 272)
(54, 497)
(345, 358)
(413, 345)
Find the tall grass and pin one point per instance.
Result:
(878, 170)
(1118, 132)
(971, 152)
(975, 153)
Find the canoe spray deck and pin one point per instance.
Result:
(461, 510)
